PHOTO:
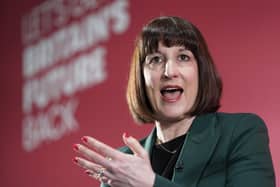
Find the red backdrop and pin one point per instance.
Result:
(71, 97)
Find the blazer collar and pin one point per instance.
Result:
(196, 151)
(199, 130)
(150, 141)
(202, 126)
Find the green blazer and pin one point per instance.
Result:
(222, 150)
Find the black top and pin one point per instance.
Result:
(165, 155)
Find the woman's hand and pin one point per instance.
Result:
(113, 167)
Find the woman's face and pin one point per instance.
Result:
(171, 79)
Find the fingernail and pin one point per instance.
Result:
(88, 172)
(76, 147)
(125, 135)
(84, 139)
(75, 160)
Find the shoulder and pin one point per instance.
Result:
(233, 117)
(236, 129)
(241, 121)
(230, 123)
(241, 126)
(243, 131)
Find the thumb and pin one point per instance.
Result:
(135, 146)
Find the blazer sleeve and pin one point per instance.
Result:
(249, 159)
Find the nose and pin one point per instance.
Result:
(170, 69)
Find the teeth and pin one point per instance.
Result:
(171, 90)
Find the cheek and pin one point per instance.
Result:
(147, 78)
(150, 79)
(194, 79)
(191, 81)
(151, 82)
(195, 83)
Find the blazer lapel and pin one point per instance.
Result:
(197, 150)
(149, 141)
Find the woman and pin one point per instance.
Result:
(173, 83)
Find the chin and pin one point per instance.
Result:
(174, 115)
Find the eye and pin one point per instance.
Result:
(183, 57)
(154, 59)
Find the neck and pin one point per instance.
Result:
(169, 131)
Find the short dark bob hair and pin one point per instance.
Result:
(172, 31)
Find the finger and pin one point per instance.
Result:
(91, 174)
(96, 176)
(135, 146)
(102, 148)
(93, 169)
(92, 155)
(86, 164)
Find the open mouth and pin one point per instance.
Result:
(171, 93)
